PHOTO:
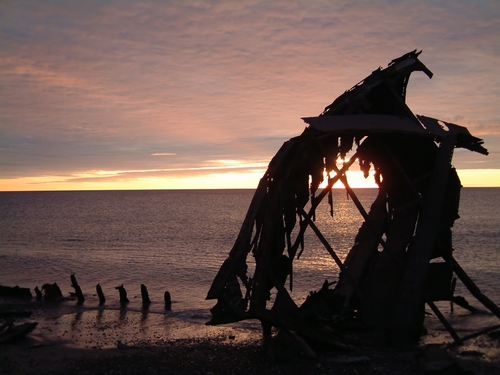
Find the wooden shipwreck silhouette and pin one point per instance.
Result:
(387, 277)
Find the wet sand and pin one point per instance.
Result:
(87, 340)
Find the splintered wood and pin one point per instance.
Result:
(384, 292)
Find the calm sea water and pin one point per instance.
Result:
(177, 240)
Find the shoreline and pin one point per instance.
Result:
(82, 340)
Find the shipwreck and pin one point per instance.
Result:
(402, 257)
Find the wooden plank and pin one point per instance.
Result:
(321, 237)
(408, 314)
(332, 253)
(443, 320)
(242, 244)
(367, 124)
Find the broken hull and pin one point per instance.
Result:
(382, 283)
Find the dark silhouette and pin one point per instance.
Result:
(145, 296)
(388, 275)
(51, 292)
(38, 292)
(168, 300)
(15, 291)
(123, 295)
(78, 291)
(100, 294)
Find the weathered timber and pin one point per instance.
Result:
(168, 300)
(145, 296)
(123, 295)
(19, 314)
(473, 335)
(241, 247)
(408, 314)
(5, 325)
(15, 291)
(475, 291)
(78, 291)
(100, 294)
(382, 280)
(443, 320)
(365, 248)
(51, 292)
(15, 332)
(38, 292)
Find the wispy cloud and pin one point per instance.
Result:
(105, 86)
(163, 154)
(215, 166)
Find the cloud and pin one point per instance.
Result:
(212, 167)
(163, 154)
(104, 86)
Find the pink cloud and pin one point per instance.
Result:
(105, 86)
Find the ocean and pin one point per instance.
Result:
(176, 241)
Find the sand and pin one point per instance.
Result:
(92, 340)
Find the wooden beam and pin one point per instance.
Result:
(321, 237)
(467, 281)
(317, 200)
(443, 320)
(242, 244)
(408, 313)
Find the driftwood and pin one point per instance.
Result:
(386, 278)
(51, 292)
(123, 295)
(15, 291)
(38, 292)
(10, 314)
(15, 332)
(168, 300)
(145, 296)
(474, 335)
(100, 294)
(78, 291)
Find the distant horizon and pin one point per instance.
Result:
(250, 189)
(202, 189)
(468, 178)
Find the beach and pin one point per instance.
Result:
(92, 340)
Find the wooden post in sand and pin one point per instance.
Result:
(100, 294)
(78, 290)
(123, 295)
(168, 300)
(145, 296)
(38, 293)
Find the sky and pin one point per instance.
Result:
(202, 94)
